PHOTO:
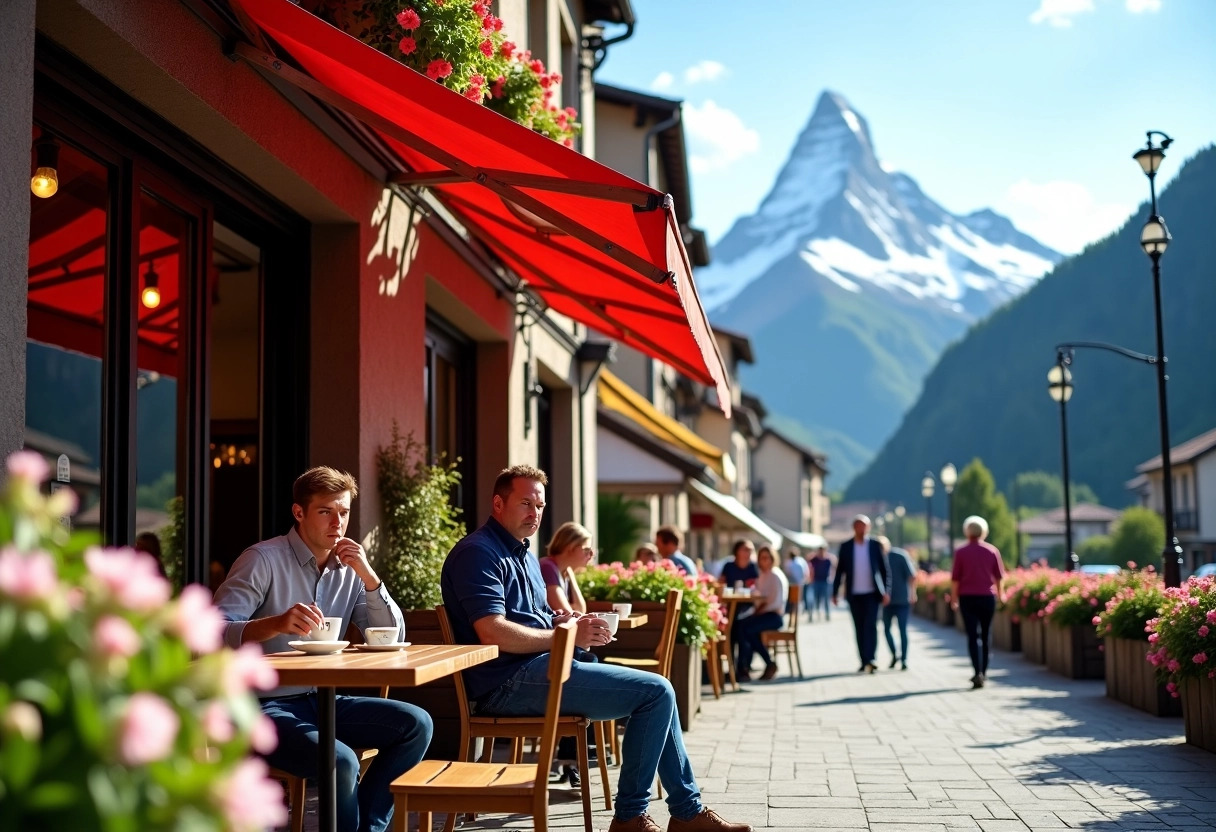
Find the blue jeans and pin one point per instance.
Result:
(401, 731)
(898, 612)
(747, 633)
(821, 592)
(653, 740)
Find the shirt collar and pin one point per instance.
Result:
(303, 554)
(508, 540)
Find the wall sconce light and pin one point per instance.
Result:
(150, 296)
(591, 357)
(45, 181)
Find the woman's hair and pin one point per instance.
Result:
(567, 536)
(975, 526)
(776, 556)
(647, 548)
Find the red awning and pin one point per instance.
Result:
(615, 260)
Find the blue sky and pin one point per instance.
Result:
(1030, 107)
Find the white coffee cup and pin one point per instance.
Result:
(328, 630)
(612, 619)
(623, 610)
(380, 635)
(738, 586)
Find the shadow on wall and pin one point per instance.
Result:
(396, 223)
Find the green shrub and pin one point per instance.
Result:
(1128, 613)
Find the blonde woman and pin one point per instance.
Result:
(570, 548)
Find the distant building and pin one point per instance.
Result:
(1193, 470)
(787, 486)
(1046, 530)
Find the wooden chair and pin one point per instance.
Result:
(785, 640)
(518, 728)
(296, 785)
(440, 786)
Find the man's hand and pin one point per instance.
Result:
(835, 601)
(591, 632)
(350, 553)
(297, 621)
(886, 599)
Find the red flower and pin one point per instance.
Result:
(507, 49)
(568, 142)
(473, 93)
(496, 89)
(407, 45)
(573, 113)
(438, 68)
(408, 19)
(487, 48)
(537, 66)
(481, 8)
(497, 23)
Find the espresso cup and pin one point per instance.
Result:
(380, 635)
(612, 619)
(623, 610)
(328, 630)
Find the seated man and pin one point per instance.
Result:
(667, 543)
(277, 591)
(494, 594)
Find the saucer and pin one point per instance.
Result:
(318, 648)
(383, 648)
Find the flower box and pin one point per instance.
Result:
(1034, 645)
(1199, 711)
(1074, 652)
(1006, 633)
(924, 607)
(943, 613)
(1130, 679)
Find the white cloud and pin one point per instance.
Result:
(662, 81)
(1061, 12)
(1138, 6)
(1063, 215)
(716, 137)
(704, 71)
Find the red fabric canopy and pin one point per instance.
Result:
(616, 262)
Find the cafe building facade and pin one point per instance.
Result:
(269, 245)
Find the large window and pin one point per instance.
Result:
(449, 384)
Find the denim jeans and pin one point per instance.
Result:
(399, 730)
(898, 612)
(864, 607)
(821, 593)
(977, 613)
(747, 633)
(654, 742)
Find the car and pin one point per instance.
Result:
(1207, 570)
(1100, 568)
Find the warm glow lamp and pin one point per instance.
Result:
(150, 296)
(45, 181)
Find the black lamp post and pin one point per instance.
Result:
(1059, 387)
(926, 491)
(1154, 238)
(948, 477)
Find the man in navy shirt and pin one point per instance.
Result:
(494, 594)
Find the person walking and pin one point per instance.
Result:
(976, 580)
(862, 569)
(903, 595)
(821, 584)
(798, 573)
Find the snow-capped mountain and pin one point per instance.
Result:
(846, 255)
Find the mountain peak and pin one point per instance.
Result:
(833, 109)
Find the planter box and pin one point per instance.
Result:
(1006, 633)
(1199, 712)
(1034, 646)
(1130, 679)
(944, 615)
(1075, 652)
(924, 607)
(686, 679)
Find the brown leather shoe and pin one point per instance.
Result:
(642, 823)
(770, 670)
(707, 821)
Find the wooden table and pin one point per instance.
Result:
(633, 622)
(732, 600)
(410, 667)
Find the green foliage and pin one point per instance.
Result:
(1096, 549)
(1128, 613)
(912, 533)
(700, 613)
(1041, 490)
(976, 493)
(419, 525)
(157, 493)
(620, 528)
(173, 543)
(1138, 537)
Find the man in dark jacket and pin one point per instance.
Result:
(863, 570)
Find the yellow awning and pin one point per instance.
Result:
(619, 397)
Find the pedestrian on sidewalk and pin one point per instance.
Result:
(976, 580)
(863, 570)
(821, 584)
(798, 573)
(771, 591)
(903, 595)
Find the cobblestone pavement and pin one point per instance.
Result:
(919, 751)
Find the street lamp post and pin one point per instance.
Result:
(948, 477)
(1059, 387)
(926, 491)
(1154, 238)
(899, 514)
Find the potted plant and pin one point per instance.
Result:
(1184, 640)
(107, 719)
(1027, 601)
(1123, 626)
(1006, 623)
(1074, 648)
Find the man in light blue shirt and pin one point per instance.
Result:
(277, 591)
(667, 541)
(903, 595)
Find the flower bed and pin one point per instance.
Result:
(701, 616)
(1074, 648)
(1123, 626)
(1184, 641)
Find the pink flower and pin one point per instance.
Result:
(571, 112)
(197, 621)
(247, 668)
(1173, 666)
(130, 577)
(408, 19)
(438, 68)
(1152, 638)
(1203, 631)
(407, 45)
(1200, 658)
(217, 724)
(114, 636)
(27, 577)
(1171, 686)
(486, 48)
(147, 730)
(568, 142)
(1096, 620)
(29, 466)
(613, 580)
(251, 800)
(264, 737)
(1211, 617)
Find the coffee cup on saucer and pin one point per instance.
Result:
(623, 610)
(380, 636)
(330, 629)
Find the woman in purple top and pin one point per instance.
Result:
(976, 578)
(570, 548)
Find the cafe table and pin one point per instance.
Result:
(408, 667)
(732, 599)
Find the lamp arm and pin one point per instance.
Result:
(1100, 345)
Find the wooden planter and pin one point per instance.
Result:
(1006, 633)
(1130, 679)
(1075, 652)
(1199, 712)
(1034, 646)
(924, 607)
(944, 614)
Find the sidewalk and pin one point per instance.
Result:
(918, 751)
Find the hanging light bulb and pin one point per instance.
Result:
(45, 181)
(150, 296)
